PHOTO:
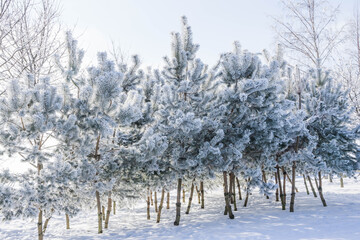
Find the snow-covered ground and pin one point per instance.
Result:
(262, 219)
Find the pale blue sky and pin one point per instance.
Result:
(144, 26)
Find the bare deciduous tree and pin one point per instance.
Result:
(29, 38)
(308, 30)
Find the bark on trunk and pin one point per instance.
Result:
(280, 188)
(98, 204)
(312, 187)
(198, 193)
(178, 203)
(148, 207)
(341, 182)
(108, 211)
(168, 201)
(238, 184)
(265, 181)
(46, 224)
(231, 189)
(234, 190)
(307, 189)
(183, 196)
(103, 212)
(161, 205)
(227, 197)
(320, 190)
(246, 198)
(202, 194)
(296, 189)
(67, 221)
(284, 187)
(277, 189)
(40, 230)
(292, 200)
(114, 207)
(152, 201)
(190, 198)
(155, 202)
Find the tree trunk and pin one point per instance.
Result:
(98, 204)
(307, 189)
(231, 189)
(238, 184)
(152, 201)
(312, 187)
(67, 221)
(168, 201)
(296, 189)
(320, 190)
(284, 187)
(40, 230)
(234, 190)
(178, 203)
(46, 224)
(114, 203)
(148, 207)
(108, 211)
(202, 194)
(265, 181)
(277, 189)
(161, 205)
(292, 200)
(330, 178)
(198, 193)
(341, 182)
(190, 198)
(246, 198)
(227, 197)
(280, 188)
(103, 212)
(183, 196)
(155, 201)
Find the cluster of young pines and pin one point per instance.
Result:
(116, 134)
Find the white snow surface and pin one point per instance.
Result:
(261, 219)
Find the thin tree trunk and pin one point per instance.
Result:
(103, 213)
(312, 187)
(67, 221)
(190, 198)
(284, 186)
(265, 181)
(234, 190)
(161, 205)
(277, 189)
(247, 195)
(40, 224)
(288, 177)
(148, 207)
(320, 190)
(292, 200)
(341, 182)
(231, 189)
(330, 178)
(108, 211)
(307, 189)
(155, 201)
(198, 193)
(238, 184)
(46, 224)
(202, 194)
(168, 201)
(178, 203)
(114, 203)
(152, 201)
(280, 188)
(226, 194)
(98, 204)
(183, 196)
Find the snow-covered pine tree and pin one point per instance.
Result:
(30, 126)
(329, 120)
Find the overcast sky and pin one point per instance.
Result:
(143, 26)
